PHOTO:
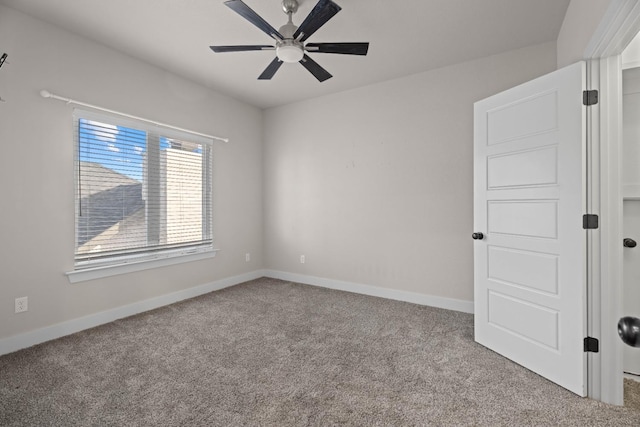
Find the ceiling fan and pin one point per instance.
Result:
(290, 40)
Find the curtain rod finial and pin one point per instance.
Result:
(45, 93)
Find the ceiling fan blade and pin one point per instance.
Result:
(271, 69)
(320, 73)
(250, 15)
(222, 49)
(321, 13)
(343, 48)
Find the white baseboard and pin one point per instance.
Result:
(406, 296)
(28, 339)
(633, 377)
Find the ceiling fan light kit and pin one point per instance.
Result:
(289, 51)
(290, 39)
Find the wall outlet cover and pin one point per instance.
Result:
(22, 304)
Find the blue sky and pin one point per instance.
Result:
(119, 148)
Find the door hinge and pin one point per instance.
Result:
(591, 345)
(590, 97)
(590, 222)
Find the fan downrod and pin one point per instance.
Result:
(289, 50)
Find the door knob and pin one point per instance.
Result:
(629, 243)
(629, 331)
(477, 236)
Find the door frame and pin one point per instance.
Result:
(618, 27)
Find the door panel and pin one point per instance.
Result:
(523, 169)
(511, 121)
(528, 321)
(529, 197)
(524, 218)
(523, 268)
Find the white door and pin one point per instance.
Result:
(529, 198)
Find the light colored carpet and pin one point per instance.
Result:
(276, 353)
(632, 394)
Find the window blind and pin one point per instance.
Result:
(142, 191)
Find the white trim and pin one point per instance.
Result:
(133, 265)
(608, 307)
(631, 192)
(594, 283)
(618, 27)
(630, 65)
(632, 377)
(28, 339)
(393, 294)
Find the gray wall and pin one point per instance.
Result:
(375, 185)
(36, 171)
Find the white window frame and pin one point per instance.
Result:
(121, 264)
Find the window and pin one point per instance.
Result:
(143, 192)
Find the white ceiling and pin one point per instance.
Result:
(406, 37)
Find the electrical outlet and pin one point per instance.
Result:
(22, 304)
(247, 257)
(302, 259)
